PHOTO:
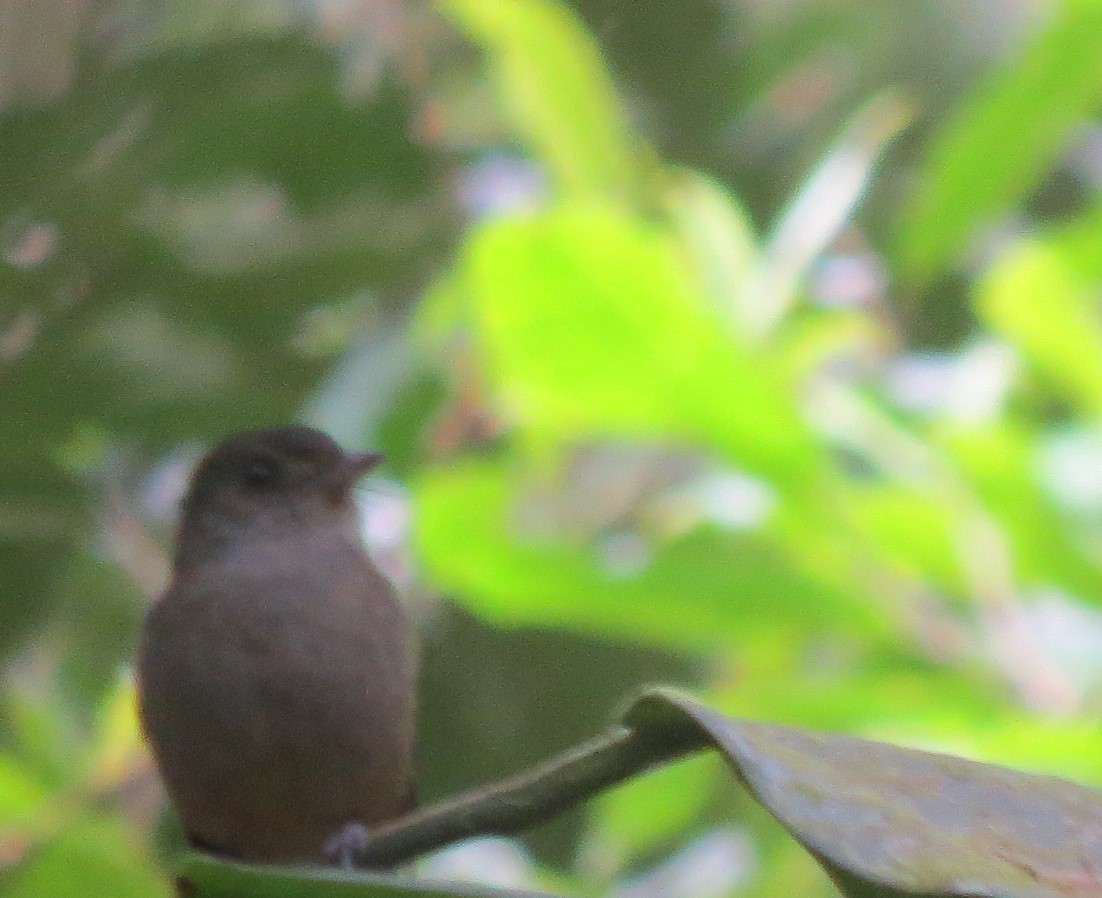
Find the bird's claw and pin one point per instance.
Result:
(347, 844)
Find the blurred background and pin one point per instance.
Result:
(749, 346)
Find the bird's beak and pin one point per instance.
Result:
(353, 467)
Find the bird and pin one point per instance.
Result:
(273, 676)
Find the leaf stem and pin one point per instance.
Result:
(517, 803)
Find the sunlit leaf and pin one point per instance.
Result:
(913, 529)
(553, 81)
(813, 340)
(638, 817)
(1001, 465)
(1004, 137)
(717, 233)
(784, 868)
(875, 697)
(93, 856)
(709, 589)
(1071, 747)
(1042, 305)
(119, 745)
(590, 324)
(922, 706)
(818, 211)
(42, 736)
(21, 793)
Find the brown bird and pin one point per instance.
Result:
(273, 680)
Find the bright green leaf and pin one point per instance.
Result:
(552, 79)
(1001, 466)
(590, 325)
(1069, 747)
(1048, 310)
(21, 794)
(640, 815)
(95, 856)
(867, 698)
(816, 214)
(914, 529)
(706, 590)
(42, 737)
(1004, 137)
(717, 233)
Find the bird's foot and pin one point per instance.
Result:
(347, 844)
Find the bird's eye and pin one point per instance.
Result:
(260, 472)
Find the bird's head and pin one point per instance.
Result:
(270, 482)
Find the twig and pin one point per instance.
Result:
(531, 797)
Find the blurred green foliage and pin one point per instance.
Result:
(756, 348)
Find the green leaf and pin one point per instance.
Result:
(717, 234)
(922, 705)
(1036, 297)
(21, 793)
(706, 590)
(1070, 747)
(870, 696)
(590, 325)
(553, 82)
(890, 821)
(1001, 465)
(913, 528)
(819, 210)
(210, 878)
(43, 736)
(96, 856)
(1004, 137)
(629, 822)
(880, 819)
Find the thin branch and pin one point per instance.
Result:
(520, 802)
